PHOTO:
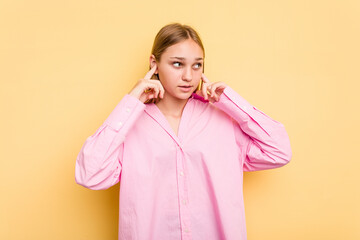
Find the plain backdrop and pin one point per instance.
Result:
(64, 66)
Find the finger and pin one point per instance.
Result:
(203, 90)
(204, 78)
(220, 85)
(161, 88)
(206, 90)
(209, 87)
(149, 87)
(207, 83)
(212, 91)
(150, 96)
(156, 91)
(151, 72)
(215, 87)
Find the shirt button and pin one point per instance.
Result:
(186, 230)
(127, 109)
(120, 124)
(184, 202)
(182, 173)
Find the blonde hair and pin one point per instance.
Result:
(169, 35)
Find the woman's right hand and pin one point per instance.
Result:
(148, 88)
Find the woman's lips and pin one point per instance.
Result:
(185, 88)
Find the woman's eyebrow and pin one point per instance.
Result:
(181, 58)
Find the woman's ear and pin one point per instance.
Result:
(153, 62)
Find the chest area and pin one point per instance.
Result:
(174, 123)
(192, 128)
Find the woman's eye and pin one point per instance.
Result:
(178, 64)
(199, 65)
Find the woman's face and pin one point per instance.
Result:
(180, 69)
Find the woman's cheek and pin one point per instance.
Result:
(171, 71)
(197, 75)
(176, 74)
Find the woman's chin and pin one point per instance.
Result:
(181, 95)
(184, 96)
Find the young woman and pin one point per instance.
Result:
(179, 144)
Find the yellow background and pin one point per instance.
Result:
(64, 65)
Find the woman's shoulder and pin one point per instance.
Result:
(202, 106)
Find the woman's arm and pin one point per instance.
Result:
(99, 163)
(264, 140)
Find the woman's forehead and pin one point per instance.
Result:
(183, 58)
(185, 50)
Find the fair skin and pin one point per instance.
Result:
(181, 65)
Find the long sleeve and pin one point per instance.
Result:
(264, 140)
(99, 163)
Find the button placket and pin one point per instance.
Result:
(183, 194)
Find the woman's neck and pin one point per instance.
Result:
(171, 107)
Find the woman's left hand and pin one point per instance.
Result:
(211, 91)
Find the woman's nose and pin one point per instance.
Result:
(187, 74)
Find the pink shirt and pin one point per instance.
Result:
(188, 186)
